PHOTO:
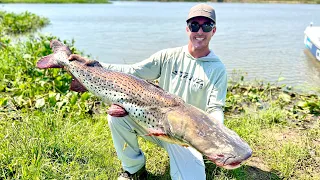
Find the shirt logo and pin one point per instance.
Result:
(196, 82)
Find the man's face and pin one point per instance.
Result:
(200, 40)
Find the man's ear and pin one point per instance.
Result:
(214, 31)
(187, 29)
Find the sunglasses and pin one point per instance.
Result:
(206, 27)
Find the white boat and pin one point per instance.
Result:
(312, 40)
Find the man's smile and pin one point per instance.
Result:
(199, 39)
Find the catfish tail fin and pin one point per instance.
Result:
(60, 51)
(48, 62)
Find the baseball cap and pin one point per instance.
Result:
(203, 10)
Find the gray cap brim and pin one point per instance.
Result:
(202, 10)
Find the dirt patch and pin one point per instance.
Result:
(287, 135)
(283, 135)
(256, 162)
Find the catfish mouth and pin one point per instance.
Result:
(222, 164)
(228, 162)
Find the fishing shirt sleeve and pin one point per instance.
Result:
(149, 69)
(217, 96)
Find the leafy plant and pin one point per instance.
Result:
(12, 23)
(25, 86)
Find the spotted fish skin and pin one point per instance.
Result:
(159, 112)
(139, 98)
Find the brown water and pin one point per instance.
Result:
(264, 40)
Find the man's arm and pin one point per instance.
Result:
(217, 97)
(149, 69)
(218, 115)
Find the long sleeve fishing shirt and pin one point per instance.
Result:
(201, 82)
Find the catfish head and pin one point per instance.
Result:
(221, 145)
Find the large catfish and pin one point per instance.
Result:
(160, 113)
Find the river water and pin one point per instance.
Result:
(263, 40)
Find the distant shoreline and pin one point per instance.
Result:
(221, 1)
(56, 1)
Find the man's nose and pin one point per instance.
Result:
(200, 32)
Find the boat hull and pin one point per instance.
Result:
(309, 41)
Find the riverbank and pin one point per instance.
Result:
(49, 132)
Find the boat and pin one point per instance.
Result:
(312, 40)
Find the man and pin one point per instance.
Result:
(192, 72)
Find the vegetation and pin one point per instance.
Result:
(54, 1)
(49, 132)
(11, 23)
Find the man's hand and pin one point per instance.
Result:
(117, 111)
(76, 57)
(86, 61)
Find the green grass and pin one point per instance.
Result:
(44, 146)
(54, 1)
(60, 145)
(48, 132)
(279, 147)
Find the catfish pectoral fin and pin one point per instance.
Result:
(117, 111)
(77, 86)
